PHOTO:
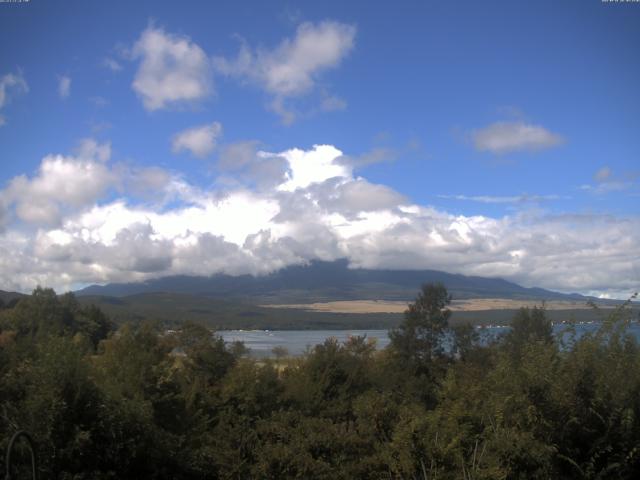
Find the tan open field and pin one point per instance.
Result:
(384, 306)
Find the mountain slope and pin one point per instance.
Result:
(328, 281)
(7, 297)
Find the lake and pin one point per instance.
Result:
(262, 342)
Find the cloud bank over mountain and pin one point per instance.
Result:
(84, 218)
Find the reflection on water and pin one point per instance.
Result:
(262, 342)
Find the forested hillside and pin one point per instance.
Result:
(140, 402)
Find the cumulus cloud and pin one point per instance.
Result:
(292, 68)
(73, 181)
(357, 196)
(11, 84)
(173, 70)
(64, 86)
(200, 141)
(315, 208)
(252, 167)
(506, 137)
(313, 166)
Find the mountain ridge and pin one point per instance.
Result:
(329, 281)
(7, 297)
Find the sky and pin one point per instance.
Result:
(145, 139)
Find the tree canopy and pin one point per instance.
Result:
(142, 402)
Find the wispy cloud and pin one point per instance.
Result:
(606, 182)
(64, 86)
(11, 84)
(507, 137)
(606, 187)
(99, 101)
(331, 103)
(523, 198)
(111, 64)
(602, 175)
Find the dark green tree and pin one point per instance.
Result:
(529, 325)
(419, 339)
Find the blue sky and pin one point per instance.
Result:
(460, 124)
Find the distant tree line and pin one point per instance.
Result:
(137, 402)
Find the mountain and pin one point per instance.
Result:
(9, 297)
(327, 281)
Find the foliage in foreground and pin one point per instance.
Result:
(137, 403)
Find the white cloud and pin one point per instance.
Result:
(200, 141)
(74, 181)
(524, 198)
(14, 83)
(149, 183)
(313, 166)
(111, 64)
(357, 196)
(506, 137)
(89, 149)
(11, 84)
(318, 210)
(293, 67)
(603, 188)
(376, 155)
(173, 70)
(249, 166)
(238, 155)
(64, 86)
(606, 182)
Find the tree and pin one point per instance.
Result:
(416, 361)
(207, 353)
(529, 326)
(43, 314)
(419, 339)
(465, 341)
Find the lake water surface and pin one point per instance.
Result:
(262, 342)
